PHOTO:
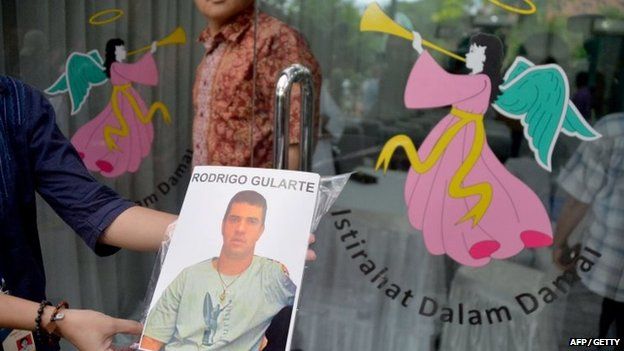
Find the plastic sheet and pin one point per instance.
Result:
(329, 190)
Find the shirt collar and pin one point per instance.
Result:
(231, 32)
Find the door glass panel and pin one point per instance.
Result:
(388, 276)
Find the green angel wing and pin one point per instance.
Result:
(58, 87)
(82, 72)
(538, 97)
(575, 125)
(520, 65)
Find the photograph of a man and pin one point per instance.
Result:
(226, 302)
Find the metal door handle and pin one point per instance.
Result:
(302, 75)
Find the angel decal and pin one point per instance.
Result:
(459, 195)
(119, 137)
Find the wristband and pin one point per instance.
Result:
(38, 330)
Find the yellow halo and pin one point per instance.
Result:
(95, 18)
(526, 11)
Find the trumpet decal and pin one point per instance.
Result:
(120, 137)
(375, 20)
(465, 202)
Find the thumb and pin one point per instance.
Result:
(127, 326)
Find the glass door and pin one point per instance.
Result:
(399, 266)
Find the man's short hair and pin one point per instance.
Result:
(249, 197)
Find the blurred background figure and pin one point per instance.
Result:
(33, 52)
(593, 180)
(582, 98)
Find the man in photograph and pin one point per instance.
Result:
(224, 303)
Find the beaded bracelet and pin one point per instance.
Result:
(40, 334)
(38, 329)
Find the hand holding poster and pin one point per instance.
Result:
(234, 262)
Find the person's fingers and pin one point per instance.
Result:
(310, 255)
(312, 239)
(128, 327)
(108, 344)
(557, 259)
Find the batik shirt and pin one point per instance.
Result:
(239, 71)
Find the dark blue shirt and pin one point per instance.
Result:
(36, 157)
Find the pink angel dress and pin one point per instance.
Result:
(515, 218)
(135, 141)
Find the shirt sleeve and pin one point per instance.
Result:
(144, 71)
(585, 172)
(279, 288)
(429, 85)
(284, 48)
(161, 320)
(61, 178)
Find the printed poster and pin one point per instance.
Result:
(231, 276)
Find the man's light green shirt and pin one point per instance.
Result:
(191, 316)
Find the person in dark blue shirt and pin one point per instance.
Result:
(35, 157)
